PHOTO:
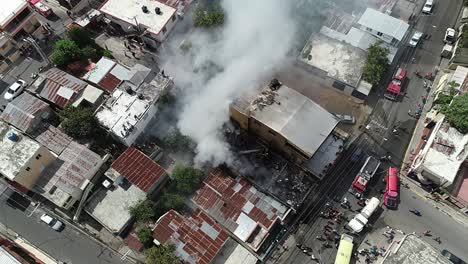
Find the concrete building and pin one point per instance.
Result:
(386, 28)
(129, 110)
(108, 74)
(17, 19)
(412, 249)
(197, 238)
(250, 216)
(130, 179)
(26, 113)
(19, 251)
(293, 124)
(441, 158)
(151, 19)
(65, 180)
(60, 88)
(338, 53)
(22, 159)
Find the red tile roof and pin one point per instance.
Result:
(133, 242)
(138, 169)
(109, 82)
(197, 238)
(225, 198)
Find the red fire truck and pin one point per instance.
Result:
(394, 88)
(391, 192)
(41, 8)
(364, 176)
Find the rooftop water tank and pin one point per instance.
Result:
(12, 136)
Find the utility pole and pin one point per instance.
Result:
(38, 49)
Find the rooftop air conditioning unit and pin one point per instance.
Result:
(107, 184)
(144, 9)
(158, 11)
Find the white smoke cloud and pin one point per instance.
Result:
(255, 39)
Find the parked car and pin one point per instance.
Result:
(52, 222)
(14, 90)
(427, 8)
(415, 39)
(454, 259)
(347, 119)
(450, 35)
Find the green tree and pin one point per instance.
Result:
(108, 54)
(65, 52)
(208, 18)
(78, 122)
(452, 85)
(457, 113)
(172, 201)
(145, 236)
(186, 178)
(376, 63)
(89, 52)
(175, 141)
(161, 255)
(81, 36)
(143, 211)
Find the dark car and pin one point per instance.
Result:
(454, 259)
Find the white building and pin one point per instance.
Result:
(151, 18)
(21, 158)
(387, 28)
(130, 108)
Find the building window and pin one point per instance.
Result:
(38, 156)
(173, 18)
(368, 29)
(28, 169)
(164, 30)
(52, 190)
(379, 34)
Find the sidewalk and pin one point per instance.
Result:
(377, 244)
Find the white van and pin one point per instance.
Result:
(360, 220)
(427, 8)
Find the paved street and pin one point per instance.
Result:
(69, 246)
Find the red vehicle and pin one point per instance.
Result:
(41, 8)
(391, 192)
(394, 88)
(364, 176)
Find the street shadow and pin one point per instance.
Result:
(17, 201)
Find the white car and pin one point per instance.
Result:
(52, 222)
(427, 8)
(347, 119)
(449, 35)
(14, 90)
(415, 39)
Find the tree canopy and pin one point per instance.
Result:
(457, 113)
(172, 201)
(376, 64)
(145, 235)
(208, 18)
(186, 178)
(78, 122)
(65, 52)
(161, 255)
(81, 36)
(143, 211)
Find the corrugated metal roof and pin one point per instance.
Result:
(100, 69)
(383, 23)
(196, 238)
(7, 258)
(109, 83)
(55, 79)
(138, 169)
(233, 201)
(23, 110)
(52, 138)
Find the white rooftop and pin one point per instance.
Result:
(90, 94)
(110, 206)
(130, 11)
(300, 120)
(386, 24)
(340, 60)
(14, 154)
(123, 111)
(7, 258)
(448, 150)
(9, 9)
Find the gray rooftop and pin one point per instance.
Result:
(52, 138)
(413, 250)
(386, 24)
(24, 112)
(300, 120)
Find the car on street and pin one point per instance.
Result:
(346, 119)
(52, 222)
(415, 39)
(427, 8)
(449, 35)
(14, 90)
(454, 259)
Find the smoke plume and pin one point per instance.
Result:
(231, 62)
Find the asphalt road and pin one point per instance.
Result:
(69, 245)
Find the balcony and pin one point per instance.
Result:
(17, 23)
